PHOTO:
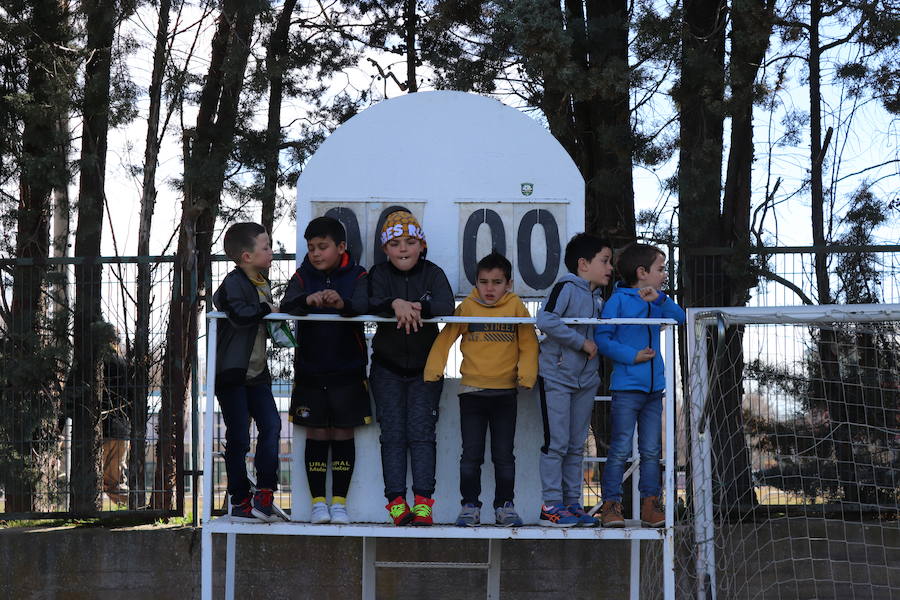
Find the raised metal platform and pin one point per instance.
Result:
(632, 531)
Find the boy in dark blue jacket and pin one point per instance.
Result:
(638, 380)
(243, 382)
(331, 394)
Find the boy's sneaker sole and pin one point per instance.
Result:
(649, 524)
(261, 516)
(245, 519)
(549, 523)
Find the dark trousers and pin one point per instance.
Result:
(407, 409)
(476, 414)
(240, 404)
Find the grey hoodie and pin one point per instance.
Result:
(561, 359)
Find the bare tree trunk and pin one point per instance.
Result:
(410, 22)
(86, 477)
(139, 357)
(705, 280)
(31, 402)
(827, 340)
(275, 67)
(610, 186)
(204, 180)
(62, 229)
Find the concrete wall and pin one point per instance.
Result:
(162, 563)
(796, 559)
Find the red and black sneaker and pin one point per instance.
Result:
(243, 511)
(262, 505)
(399, 510)
(422, 510)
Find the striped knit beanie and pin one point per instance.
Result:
(400, 224)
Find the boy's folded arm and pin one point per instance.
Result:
(243, 313)
(550, 323)
(528, 350)
(294, 300)
(670, 308)
(379, 302)
(441, 303)
(358, 302)
(604, 337)
(440, 349)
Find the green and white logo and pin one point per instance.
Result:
(527, 188)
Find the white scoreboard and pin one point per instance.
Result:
(478, 175)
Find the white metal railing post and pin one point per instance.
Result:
(208, 424)
(671, 491)
(701, 463)
(209, 418)
(634, 584)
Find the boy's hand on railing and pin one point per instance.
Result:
(409, 314)
(644, 355)
(332, 299)
(316, 299)
(648, 294)
(589, 348)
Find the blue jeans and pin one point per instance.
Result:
(407, 409)
(239, 404)
(476, 414)
(628, 409)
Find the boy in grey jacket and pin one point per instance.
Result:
(243, 381)
(569, 370)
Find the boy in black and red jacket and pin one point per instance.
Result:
(331, 395)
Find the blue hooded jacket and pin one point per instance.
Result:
(622, 342)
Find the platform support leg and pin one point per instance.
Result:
(206, 551)
(634, 582)
(230, 558)
(368, 568)
(493, 577)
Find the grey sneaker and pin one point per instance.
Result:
(507, 516)
(469, 516)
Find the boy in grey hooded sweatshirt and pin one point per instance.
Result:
(569, 370)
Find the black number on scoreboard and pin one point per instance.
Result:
(529, 274)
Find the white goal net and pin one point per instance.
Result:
(789, 445)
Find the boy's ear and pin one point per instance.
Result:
(342, 247)
(582, 264)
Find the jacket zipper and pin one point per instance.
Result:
(406, 337)
(650, 345)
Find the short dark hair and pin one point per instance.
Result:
(240, 238)
(636, 255)
(495, 260)
(583, 245)
(325, 227)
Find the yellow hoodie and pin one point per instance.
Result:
(495, 356)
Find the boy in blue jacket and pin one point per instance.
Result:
(638, 380)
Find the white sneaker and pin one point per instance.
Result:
(320, 513)
(339, 514)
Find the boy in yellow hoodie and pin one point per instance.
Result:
(496, 358)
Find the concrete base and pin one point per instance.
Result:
(810, 558)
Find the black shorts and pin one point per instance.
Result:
(344, 404)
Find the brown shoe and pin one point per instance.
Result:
(652, 514)
(611, 515)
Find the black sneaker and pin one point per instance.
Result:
(243, 512)
(262, 506)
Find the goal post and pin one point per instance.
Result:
(792, 452)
